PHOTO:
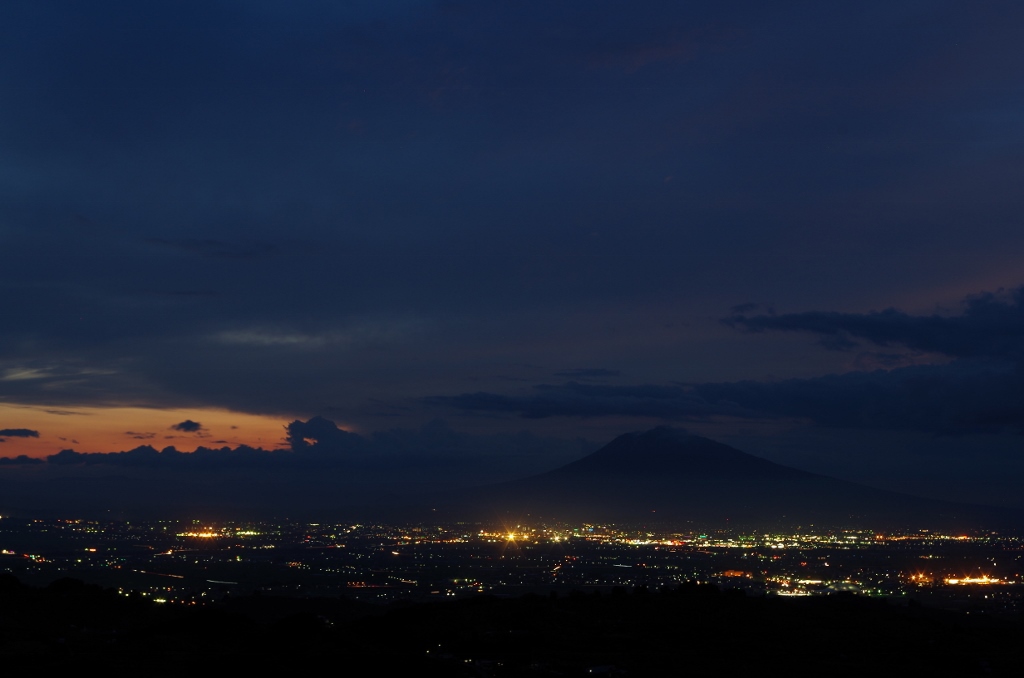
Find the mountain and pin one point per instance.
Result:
(667, 475)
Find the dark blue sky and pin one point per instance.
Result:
(791, 226)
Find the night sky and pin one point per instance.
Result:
(487, 237)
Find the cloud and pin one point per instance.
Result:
(991, 325)
(188, 426)
(573, 399)
(960, 398)
(981, 390)
(398, 465)
(18, 433)
(146, 456)
(20, 374)
(956, 399)
(587, 373)
(319, 434)
(140, 435)
(216, 248)
(748, 307)
(557, 157)
(265, 338)
(20, 460)
(633, 57)
(432, 451)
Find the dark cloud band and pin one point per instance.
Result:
(18, 433)
(990, 326)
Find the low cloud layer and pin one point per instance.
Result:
(20, 460)
(318, 444)
(981, 389)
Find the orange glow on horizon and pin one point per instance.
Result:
(116, 429)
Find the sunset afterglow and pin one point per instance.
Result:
(98, 429)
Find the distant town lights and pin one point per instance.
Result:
(983, 579)
(200, 535)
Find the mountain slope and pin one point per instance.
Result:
(669, 475)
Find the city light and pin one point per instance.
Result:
(194, 563)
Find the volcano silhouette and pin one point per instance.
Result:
(670, 475)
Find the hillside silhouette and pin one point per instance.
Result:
(637, 632)
(670, 475)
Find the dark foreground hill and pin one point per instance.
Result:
(693, 629)
(669, 475)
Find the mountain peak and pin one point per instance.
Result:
(670, 474)
(667, 451)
